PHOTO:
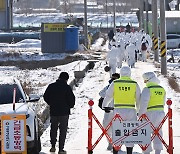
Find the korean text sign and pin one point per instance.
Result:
(13, 133)
(132, 132)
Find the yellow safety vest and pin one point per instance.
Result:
(124, 93)
(157, 94)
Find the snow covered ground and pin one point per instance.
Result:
(87, 89)
(93, 82)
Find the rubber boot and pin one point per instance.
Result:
(129, 150)
(114, 151)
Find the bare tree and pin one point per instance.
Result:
(66, 6)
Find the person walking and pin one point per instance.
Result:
(120, 55)
(90, 38)
(144, 45)
(131, 55)
(126, 94)
(59, 96)
(110, 35)
(112, 59)
(108, 115)
(152, 104)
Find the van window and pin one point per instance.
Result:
(173, 37)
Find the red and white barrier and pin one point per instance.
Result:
(117, 146)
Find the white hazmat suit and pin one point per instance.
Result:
(108, 116)
(127, 114)
(144, 52)
(154, 116)
(112, 58)
(131, 55)
(120, 56)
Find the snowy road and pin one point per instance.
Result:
(94, 81)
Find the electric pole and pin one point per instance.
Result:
(147, 19)
(85, 24)
(155, 34)
(163, 38)
(107, 14)
(142, 14)
(114, 15)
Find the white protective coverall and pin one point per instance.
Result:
(144, 52)
(120, 56)
(154, 116)
(107, 116)
(112, 58)
(111, 44)
(126, 114)
(149, 40)
(131, 55)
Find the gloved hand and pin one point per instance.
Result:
(100, 102)
(107, 110)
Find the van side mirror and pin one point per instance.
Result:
(33, 98)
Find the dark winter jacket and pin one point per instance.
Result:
(111, 35)
(59, 96)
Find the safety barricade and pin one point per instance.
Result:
(116, 146)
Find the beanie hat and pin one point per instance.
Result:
(64, 76)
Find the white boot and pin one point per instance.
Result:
(157, 151)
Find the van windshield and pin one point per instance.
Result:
(6, 94)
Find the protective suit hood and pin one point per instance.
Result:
(151, 77)
(125, 71)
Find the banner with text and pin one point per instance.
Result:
(55, 27)
(133, 132)
(13, 134)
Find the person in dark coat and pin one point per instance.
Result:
(60, 97)
(110, 35)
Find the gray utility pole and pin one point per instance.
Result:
(114, 15)
(140, 14)
(85, 25)
(7, 15)
(107, 14)
(155, 34)
(147, 19)
(152, 20)
(163, 38)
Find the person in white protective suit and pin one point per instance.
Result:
(108, 115)
(130, 49)
(111, 44)
(126, 95)
(112, 59)
(138, 49)
(149, 40)
(120, 56)
(152, 104)
(144, 45)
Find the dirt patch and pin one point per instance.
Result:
(173, 83)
